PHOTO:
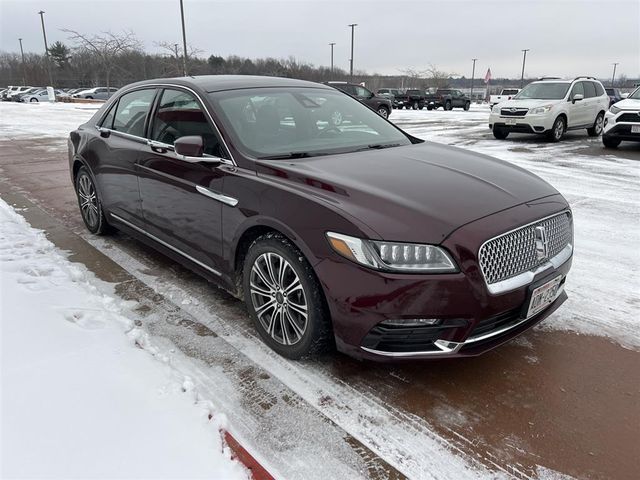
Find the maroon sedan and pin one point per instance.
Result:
(355, 233)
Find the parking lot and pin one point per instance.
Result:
(562, 399)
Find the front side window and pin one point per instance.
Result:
(544, 91)
(179, 115)
(578, 89)
(132, 110)
(299, 122)
(362, 92)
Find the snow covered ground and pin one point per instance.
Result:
(79, 398)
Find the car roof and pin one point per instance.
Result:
(218, 83)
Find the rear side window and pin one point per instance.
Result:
(132, 110)
(589, 89)
(599, 89)
(180, 115)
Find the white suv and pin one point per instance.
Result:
(622, 121)
(551, 107)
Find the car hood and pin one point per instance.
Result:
(416, 193)
(527, 103)
(628, 104)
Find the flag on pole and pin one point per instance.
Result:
(487, 77)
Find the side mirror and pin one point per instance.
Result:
(577, 97)
(190, 146)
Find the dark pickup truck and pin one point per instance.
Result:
(447, 99)
(411, 98)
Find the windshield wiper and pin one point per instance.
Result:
(378, 146)
(285, 156)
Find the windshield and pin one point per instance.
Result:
(278, 123)
(544, 91)
(635, 94)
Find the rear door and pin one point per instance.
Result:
(182, 201)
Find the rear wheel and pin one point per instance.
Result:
(34, 100)
(500, 133)
(89, 97)
(415, 105)
(90, 204)
(447, 105)
(610, 142)
(284, 298)
(429, 107)
(383, 112)
(557, 131)
(597, 126)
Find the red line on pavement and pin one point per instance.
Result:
(258, 472)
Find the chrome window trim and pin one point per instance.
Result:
(202, 103)
(527, 277)
(162, 242)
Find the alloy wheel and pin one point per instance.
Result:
(558, 130)
(383, 113)
(278, 298)
(598, 125)
(88, 201)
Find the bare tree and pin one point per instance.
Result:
(437, 78)
(176, 52)
(107, 47)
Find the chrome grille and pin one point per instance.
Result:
(515, 252)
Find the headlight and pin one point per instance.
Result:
(613, 109)
(392, 256)
(539, 110)
(496, 108)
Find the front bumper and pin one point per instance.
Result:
(472, 320)
(526, 124)
(622, 130)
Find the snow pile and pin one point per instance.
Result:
(43, 119)
(78, 399)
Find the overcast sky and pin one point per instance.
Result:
(566, 37)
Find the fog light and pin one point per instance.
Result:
(606, 120)
(411, 322)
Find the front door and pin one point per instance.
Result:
(577, 111)
(182, 202)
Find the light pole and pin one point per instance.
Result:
(184, 42)
(24, 67)
(46, 47)
(175, 48)
(524, 60)
(353, 26)
(473, 73)
(332, 44)
(613, 77)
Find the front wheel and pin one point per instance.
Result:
(34, 100)
(557, 131)
(610, 142)
(415, 105)
(467, 106)
(284, 298)
(597, 126)
(429, 107)
(447, 105)
(500, 133)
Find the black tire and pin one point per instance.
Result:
(500, 133)
(467, 106)
(90, 204)
(447, 105)
(415, 105)
(89, 97)
(316, 335)
(383, 112)
(557, 131)
(598, 125)
(33, 100)
(610, 142)
(420, 107)
(429, 107)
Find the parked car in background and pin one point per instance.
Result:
(355, 235)
(411, 98)
(622, 121)
(98, 93)
(447, 99)
(391, 94)
(614, 95)
(380, 104)
(505, 94)
(17, 97)
(551, 107)
(12, 90)
(38, 96)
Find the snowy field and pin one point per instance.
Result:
(604, 299)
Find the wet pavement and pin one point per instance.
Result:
(563, 401)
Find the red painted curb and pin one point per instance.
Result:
(258, 472)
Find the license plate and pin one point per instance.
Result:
(544, 295)
(635, 128)
(510, 121)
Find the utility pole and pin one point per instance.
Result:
(353, 26)
(473, 74)
(24, 67)
(524, 60)
(332, 44)
(613, 77)
(175, 48)
(184, 42)
(46, 47)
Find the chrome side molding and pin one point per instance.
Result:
(232, 202)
